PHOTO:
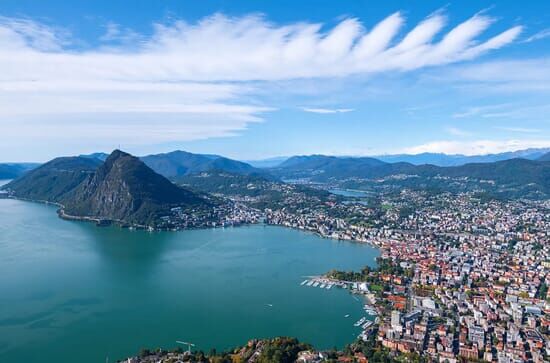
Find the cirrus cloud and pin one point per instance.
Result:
(124, 88)
(327, 110)
(475, 147)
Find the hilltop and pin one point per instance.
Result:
(121, 189)
(124, 188)
(53, 180)
(179, 163)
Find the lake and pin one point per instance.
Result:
(349, 193)
(72, 290)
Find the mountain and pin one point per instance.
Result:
(124, 189)
(512, 171)
(545, 157)
(298, 167)
(100, 156)
(15, 170)
(440, 159)
(180, 163)
(54, 179)
(267, 163)
(511, 177)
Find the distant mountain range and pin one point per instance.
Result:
(510, 173)
(437, 159)
(180, 163)
(267, 163)
(545, 157)
(122, 188)
(458, 159)
(14, 170)
(176, 164)
(336, 165)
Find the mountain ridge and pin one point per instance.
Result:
(124, 188)
(322, 169)
(121, 189)
(52, 180)
(181, 163)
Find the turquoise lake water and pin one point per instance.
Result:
(71, 291)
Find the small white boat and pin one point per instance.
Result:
(366, 325)
(310, 283)
(303, 283)
(329, 286)
(322, 286)
(315, 284)
(360, 321)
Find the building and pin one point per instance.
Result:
(476, 335)
(396, 319)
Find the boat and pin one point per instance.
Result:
(329, 286)
(322, 286)
(310, 283)
(315, 284)
(366, 325)
(346, 316)
(303, 282)
(360, 321)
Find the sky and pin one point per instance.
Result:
(252, 80)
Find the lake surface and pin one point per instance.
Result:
(72, 290)
(349, 193)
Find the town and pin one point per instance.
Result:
(469, 278)
(460, 277)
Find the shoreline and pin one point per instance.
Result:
(105, 222)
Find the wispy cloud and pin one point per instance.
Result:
(327, 110)
(184, 75)
(502, 76)
(479, 110)
(477, 147)
(457, 132)
(520, 129)
(543, 34)
(220, 48)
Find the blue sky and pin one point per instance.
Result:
(251, 80)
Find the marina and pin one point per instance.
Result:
(360, 321)
(356, 289)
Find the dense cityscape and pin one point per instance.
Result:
(460, 276)
(473, 275)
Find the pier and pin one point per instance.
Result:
(364, 322)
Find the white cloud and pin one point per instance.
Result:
(509, 76)
(457, 132)
(477, 147)
(199, 72)
(543, 34)
(520, 129)
(480, 110)
(327, 110)
(220, 48)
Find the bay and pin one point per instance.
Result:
(71, 290)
